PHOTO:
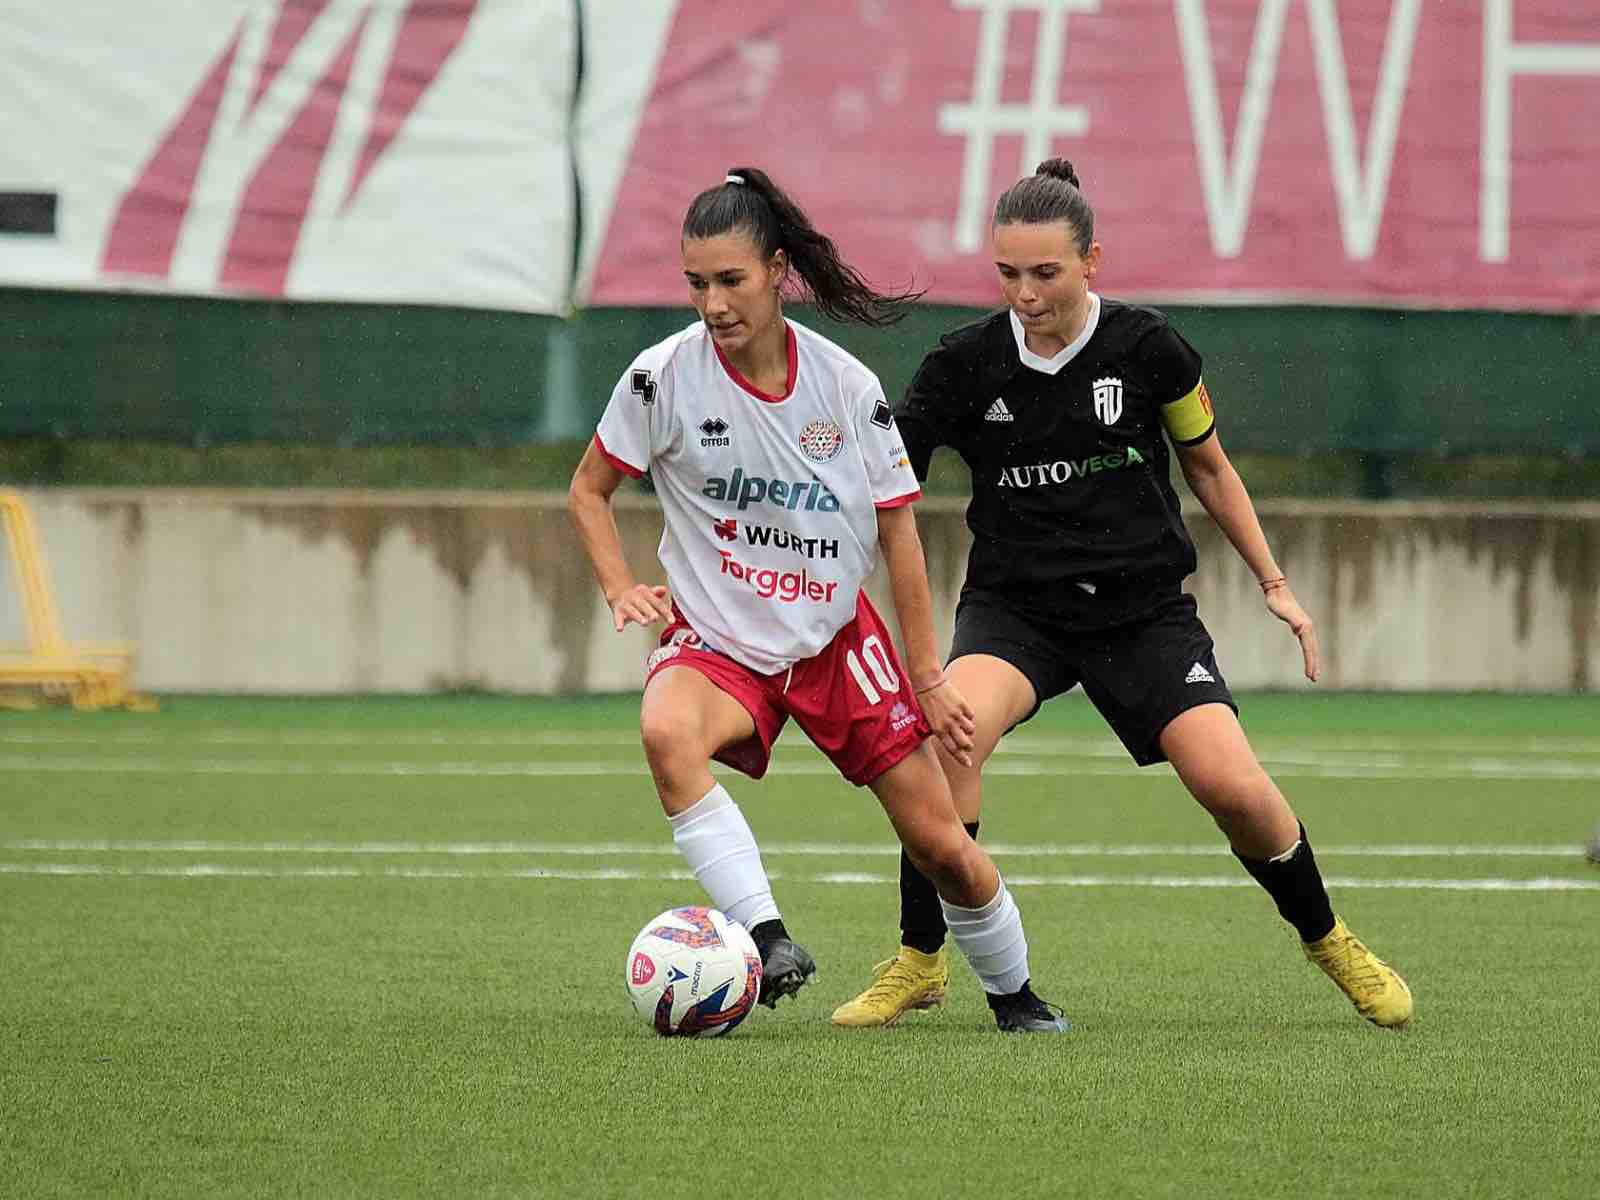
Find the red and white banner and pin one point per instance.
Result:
(377, 150)
(1441, 153)
(1438, 153)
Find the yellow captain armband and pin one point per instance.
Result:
(1190, 419)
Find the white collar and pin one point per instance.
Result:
(1063, 356)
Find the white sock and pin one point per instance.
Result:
(992, 939)
(721, 851)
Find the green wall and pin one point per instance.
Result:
(1287, 381)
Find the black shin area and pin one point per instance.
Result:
(1295, 885)
(921, 919)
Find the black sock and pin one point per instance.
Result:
(1022, 993)
(1296, 888)
(766, 933)
(921, 919)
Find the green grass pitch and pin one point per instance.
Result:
(375, 947)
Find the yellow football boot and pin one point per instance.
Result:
(911, 979)
(1374, 987)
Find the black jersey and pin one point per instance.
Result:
(1072, 511)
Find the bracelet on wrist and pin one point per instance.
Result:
(1268, 585)
(937, 683)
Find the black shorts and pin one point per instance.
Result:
(1140, 675)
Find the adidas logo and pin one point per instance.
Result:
(1198, 674)
(998, 412)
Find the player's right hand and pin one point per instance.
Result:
(1282, 604)
(643, 603)
(954, 723)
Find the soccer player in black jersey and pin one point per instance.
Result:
(1062, 405)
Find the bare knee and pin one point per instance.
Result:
(954, 863)
(672, 741)
(1237, 799)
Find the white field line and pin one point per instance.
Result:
(217, 871)
(1045, 744)
(1301, 766)
(774, 850)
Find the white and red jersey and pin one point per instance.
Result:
(770, 502)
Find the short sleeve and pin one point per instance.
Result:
(923, 415)
(1176, 383)
(889, 475)
(629, 431)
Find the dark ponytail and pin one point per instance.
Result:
(1051, 193)
(775, 222)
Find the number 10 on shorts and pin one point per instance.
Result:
(878, 664)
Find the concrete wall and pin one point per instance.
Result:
(345, 591)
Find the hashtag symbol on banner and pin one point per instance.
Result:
(986, 118)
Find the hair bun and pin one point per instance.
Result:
(1058, 168)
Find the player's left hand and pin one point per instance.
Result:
(1282, 604)
(954, 723)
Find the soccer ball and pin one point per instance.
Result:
(692, 972)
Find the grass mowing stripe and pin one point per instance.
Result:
(181, 735)
(1302, 768)
(1026, 745)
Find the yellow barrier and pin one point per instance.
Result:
(86, 675)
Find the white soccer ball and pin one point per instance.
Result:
(692, 972)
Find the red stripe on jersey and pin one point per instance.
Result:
(627, 469)
(735, 374)
(899, 501)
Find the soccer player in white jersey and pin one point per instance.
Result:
(781, 476)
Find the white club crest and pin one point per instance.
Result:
(1108, 399)
(821, 441)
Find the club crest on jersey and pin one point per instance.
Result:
(821, 441)
(1108, 399)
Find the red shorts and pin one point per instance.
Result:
(854, 700)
